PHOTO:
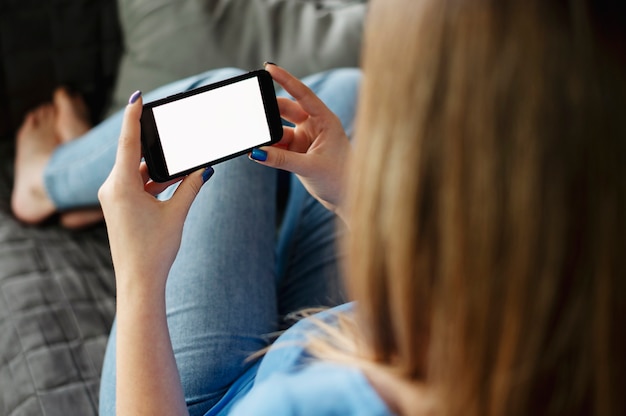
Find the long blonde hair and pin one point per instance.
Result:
(487, 203)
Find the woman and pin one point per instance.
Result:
(293, 267)
(485, 202)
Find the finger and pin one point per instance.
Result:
(292, 142)
(288, 137)
(303, 95)
(129, 147)
(143, 169)
(288, 160)
(291, 110)
(155, 188)
(296, 142)
(189, 188)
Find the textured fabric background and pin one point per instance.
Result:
(57, 302)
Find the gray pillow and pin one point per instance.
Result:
(166, 40)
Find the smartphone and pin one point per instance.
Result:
(210, 124)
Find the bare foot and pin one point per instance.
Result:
(36, 140)
(72, 119)
(81, 218)
(43, 130)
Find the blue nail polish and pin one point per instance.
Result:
(133, 98)
(258, 154)
(206, 175)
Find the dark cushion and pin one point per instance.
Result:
(44, 44)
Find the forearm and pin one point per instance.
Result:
(147, 378)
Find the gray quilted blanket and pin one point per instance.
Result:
(56, 307)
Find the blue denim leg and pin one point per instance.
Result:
(308, 260)
(222, 289)
(221, 295)
(77, 169)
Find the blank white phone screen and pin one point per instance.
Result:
(211, 125)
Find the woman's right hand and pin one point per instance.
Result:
(316, 149)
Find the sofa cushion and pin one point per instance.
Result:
(168, 40)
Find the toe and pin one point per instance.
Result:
(64, 101)
(61, 99)
(43, 113)
(27, 124)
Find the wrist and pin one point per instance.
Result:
(144, 286)
(138, 308)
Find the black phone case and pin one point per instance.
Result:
(151, 144)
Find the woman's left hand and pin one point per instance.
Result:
(144, 232)
(317, 149)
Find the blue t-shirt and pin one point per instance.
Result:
(287, 382)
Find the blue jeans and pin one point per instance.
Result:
(235, 277)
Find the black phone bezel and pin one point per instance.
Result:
(151, 143)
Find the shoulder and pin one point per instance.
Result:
(290, 383)
(289, 353)
(317, 389)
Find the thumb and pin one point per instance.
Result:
(189, 188)
(129, 146)
(280, 158)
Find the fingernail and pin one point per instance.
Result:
(133, 98)
(266, 63)
(206, 175)
(258, 154)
